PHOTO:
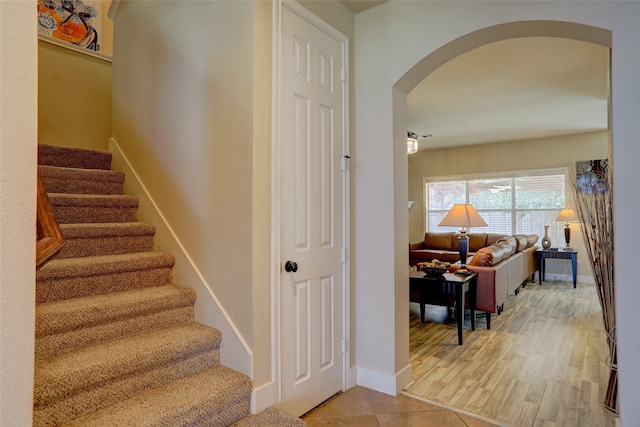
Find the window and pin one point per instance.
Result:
(510, 203)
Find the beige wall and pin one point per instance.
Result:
(183, 115)
(18, 138)
(555, 152)
(74, 98)
(106, 41)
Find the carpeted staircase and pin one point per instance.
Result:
(116, 341)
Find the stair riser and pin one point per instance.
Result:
(77, 339)
(92, 214)
(73, 157)
(111, 392)
(68, 186)
(214, 417)
(80, 247)
(73, 287)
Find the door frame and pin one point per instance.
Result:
(276, 193)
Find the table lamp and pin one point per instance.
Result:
(463, 216)
(567, 216)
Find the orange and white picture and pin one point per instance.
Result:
(73, 21)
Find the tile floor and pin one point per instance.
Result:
(360, 406)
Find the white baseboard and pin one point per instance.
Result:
(558, 277)
(262, 397)
(391, 384)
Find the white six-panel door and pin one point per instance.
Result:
(312, 228)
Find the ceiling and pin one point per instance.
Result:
(510, 90)
(357, 6)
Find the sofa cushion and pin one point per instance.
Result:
(442, 241)
(509, 244)
(531, 240)
(521, 242)
(494, 237)
(476, 241)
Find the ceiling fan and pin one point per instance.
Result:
(412, 141)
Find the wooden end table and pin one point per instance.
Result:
(436, 291)
(543, 254)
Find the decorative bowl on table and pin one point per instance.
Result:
(434, 271)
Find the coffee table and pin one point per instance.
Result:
(437, 291)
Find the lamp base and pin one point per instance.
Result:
(568, 249)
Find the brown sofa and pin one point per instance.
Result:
(444, 246)
(503, 263)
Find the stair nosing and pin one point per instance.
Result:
(91, 230)
(99, 200)
(103, 264)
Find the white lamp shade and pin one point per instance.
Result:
(463, 216)
(567, 215)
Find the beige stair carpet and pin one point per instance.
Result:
(116, 341)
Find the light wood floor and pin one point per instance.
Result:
(543, 363)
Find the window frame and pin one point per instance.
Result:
(556, 230)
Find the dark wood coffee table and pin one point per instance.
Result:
(437, 291)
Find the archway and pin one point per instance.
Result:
(454, 48)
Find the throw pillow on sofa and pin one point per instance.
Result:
(509, 244)
(483, 257)
(492, 255)
(521, 242)
(531, 240)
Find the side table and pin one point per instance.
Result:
(436, 291)
(559, 254)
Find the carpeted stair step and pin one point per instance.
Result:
(81, 181)
(87, 239)
(79, 277)
(74, 324)
(214, 397)
(79, 382)
(89, 208)
(271, 416)
(71, 157)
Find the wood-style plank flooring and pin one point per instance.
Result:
(543, 363)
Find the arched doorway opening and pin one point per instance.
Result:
(453, 49)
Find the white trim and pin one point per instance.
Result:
(262, 397)
(74, 47)
(276, 211)
(499, 174)
(276, 214)
(234, 352)
(391, 384)
(113, 9)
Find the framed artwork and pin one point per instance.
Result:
(76, 22)
(592, 176)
